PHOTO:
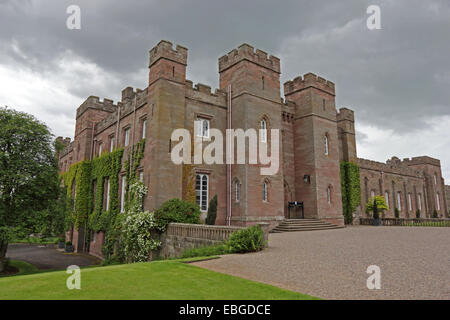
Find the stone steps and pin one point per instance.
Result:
(292, 225)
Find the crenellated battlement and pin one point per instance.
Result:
(203, 93)
(346, 114)
(247, 52)
(307, 81)
(94, 102)
(393, 165)
(164, 49)
(422, 160)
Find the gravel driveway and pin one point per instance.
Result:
(332, 264)
(44, 257)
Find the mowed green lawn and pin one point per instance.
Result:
(153, 280)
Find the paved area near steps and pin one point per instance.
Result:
(332, 264)
(47, 257)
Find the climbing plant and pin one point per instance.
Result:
(84, 209)
(351, 189)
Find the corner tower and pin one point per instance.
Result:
(316, 147)
(255, 96)
(166, 103)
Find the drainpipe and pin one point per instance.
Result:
(229, 153)
(133, 134)
(117, 126)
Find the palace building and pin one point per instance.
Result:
(315, 138)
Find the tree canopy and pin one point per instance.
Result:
(28, 170)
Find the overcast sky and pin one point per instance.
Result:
(397, 79)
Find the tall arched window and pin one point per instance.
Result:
(438, 204)
(264, 190)
(325, 143)
(329, 195)
(201, 191)
(386, 197)
(263, 130)
(237, 191)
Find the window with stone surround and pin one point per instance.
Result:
(325, 143)
(237, 191)
(201, 191)
(126, 137)
(122, 194)
(399, 200)
(409, 202)
(264, 192)
(111, 143)
(202, 127)
(100, 148)
(108, 189)
(419, 201)
(438, 204)
(144, 128)
(329, 194)
(263, 130)
(386, 197)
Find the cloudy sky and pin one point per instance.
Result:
(397, 79)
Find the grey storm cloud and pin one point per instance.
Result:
(396, 78)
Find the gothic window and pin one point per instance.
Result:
(399, 200)
(122, 194)
(435, 178)
(201, 191)
(419, 201)
(111, 144)
(127, 137)
(144, 128)
(100, 148)
(409, 202)
(264, 191)
(108, 189)
(329, 195)
(237, 191)
(263, 130)
(438, 205)
(372, 193)
(386, 197)
(325, 143)
(202, 129)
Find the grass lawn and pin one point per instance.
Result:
(171, 280)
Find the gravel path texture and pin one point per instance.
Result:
(332, 264)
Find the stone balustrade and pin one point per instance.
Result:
(422, 222)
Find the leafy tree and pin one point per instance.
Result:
(376, 205)
(28, 172)
(212, 211)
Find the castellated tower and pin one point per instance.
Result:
(255, 83)
(316, 147)
(91, 111)
(346, 133)
(166, 103)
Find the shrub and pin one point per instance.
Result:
(417, 214)
(176, 210)
(68, 243)
(212, 211)
(376, 205)
(246, 240)
(435, 214)
(396, 213)
(205, 251)
(137, 236)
